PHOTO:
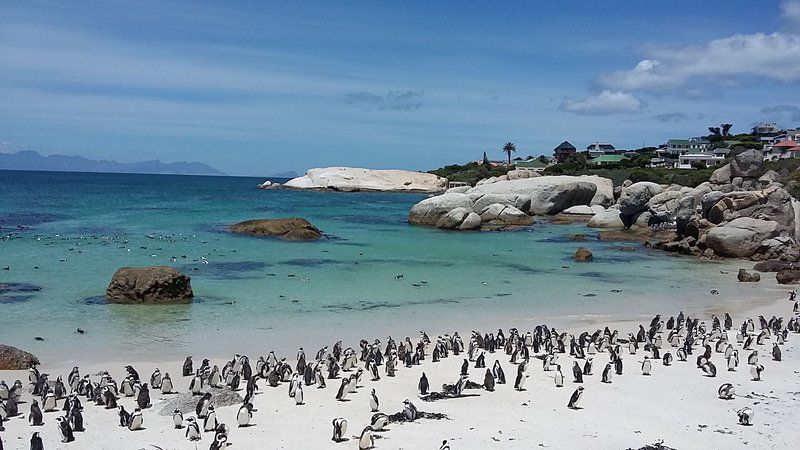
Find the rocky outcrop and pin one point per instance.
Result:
(583, 254)
(149, 285)
(721, 175)
(775, 266)
(186, 402)
(609, 218)
(745, 277)
(352, 179)
(291, 228)
(634, 198)
(548, 194)
(459, 219)
(741, 237)
(12, 358)
(748, 164)
(499, 215)
(788, 276)
(429, 211)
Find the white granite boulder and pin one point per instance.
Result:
(741, 238)
(352, 179)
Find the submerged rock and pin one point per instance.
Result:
(583, 254)
(158, 284)
(12, 358)
(745, 277)
(291, 228)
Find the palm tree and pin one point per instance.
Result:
(508, 149)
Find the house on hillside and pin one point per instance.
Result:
(533, 164)
(766, 129)
(690, 160)
(781, 150)
(600, 148)
(604, 160)
(562, 152)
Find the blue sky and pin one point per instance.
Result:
(254, 88)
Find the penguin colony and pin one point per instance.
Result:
(686, 337)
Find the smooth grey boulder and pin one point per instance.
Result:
(721, 175)
(741, 237)
(634, 198)
(609, 218)
(481, 201)
(455, 219)
(498, 214)
(748, 164)
(430, 210)
(548, 194)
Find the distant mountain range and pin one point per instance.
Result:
(290, 174)
(31, 160)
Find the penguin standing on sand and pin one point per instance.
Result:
(559, 377)
(339, 429)
(193, 430)
(745, 416)
(577, 373)
(409, 410)
(298, 395)
(76, 419)
(667, 360)
(373, 401)
(488, 381)
(187, 367)
(587, 367)
(710, 369)
(66, 430)
(776, 352)
(124, 417)
(49, 402)
(344, 389)
(210, 420)
(155, 379)
(423, 384)
(521, 375)
(726, 391)
(136, 421)
(607, 374)
(647, 366)
(244, 415)
(575, 398)
(203, 406)
(366, 440)
(36, 442)
(196, 384)
(143, 399)
(497, 372)
(379, 421)
(177, 419)
(755, 371)
(35, 417)
(166, 384)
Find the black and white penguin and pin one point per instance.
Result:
(49, 402)
(298, 394)
(219, 443)
(522, 374)
(196, 385)
(753, 358)
(143, 398)
(203, 406)
(36, 442)
(726, 391)
(177, 419)
(647, 366)
(210, 420)
(607, 374)
(710, 369)
(745, 416)
(373, 401)
(244, 415)
(344, 389)
(575, 398)
(193, 430)
(587, 367)
(776, 352)
(464, 367)
(35, 417)
(155, 379)
(76, 419)
(558, 377)
(618, 366)
(423, 385)
(365, 441)
(136, 421)
(215, 378)
(166, 384)
(124, 417)
(379, 421)
(498, 373)
(65, 429)
(667, 359)
(339, 429)
(187, 367)
(488, 381)
(409, 410)
(577, 373)
(755, 371)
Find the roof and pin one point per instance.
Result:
(533, 163)
(609, 158)
(678, 141)
(785, 144)
(565, 146)
(794, 149)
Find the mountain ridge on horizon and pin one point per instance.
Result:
(32, 160)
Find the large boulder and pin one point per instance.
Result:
(12, 358)
(635, 197)
(352, 179)
(158, 284)
(291, 228)
(748, 164)
(745, 277)
(481, 201)
(459, 219)
(773, 203)
(774, 266)
(548, 194)
(584, 210)
(429, 211)
(788, 276)
(684, 213)
(721, 175)
(741, 237)
(501, 215)
(609, 218)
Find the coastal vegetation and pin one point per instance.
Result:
(471, 172)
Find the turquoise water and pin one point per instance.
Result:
(79, 228)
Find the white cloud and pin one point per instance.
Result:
(790, 10)
(604, 103)
(774, 57)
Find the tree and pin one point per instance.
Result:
(485, 159)
(726, 128)
(715, 131)
(543, 159)
(508, 149)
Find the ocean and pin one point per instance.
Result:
(65, 234)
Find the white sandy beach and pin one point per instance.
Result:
(676, 405)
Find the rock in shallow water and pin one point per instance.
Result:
(291, 228)
(12, 358)
(158, 284)
(583, 254)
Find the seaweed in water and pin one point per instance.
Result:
(17, 292)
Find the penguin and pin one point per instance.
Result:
(753, 358)
(177, 419)
(3, 390)
(244, 415)
(379, 421)
(618, 366)
(365, 441)
(726, 391)
(667, 360)
(755, 371)
(423, 384)
(126, 387)
(35, 417)
(187, 367)
(373, 401)
(710, 369)
(155, 379)
(521, 375)
(66, 430)
(343, 389)
(559, 377)
(203, 405)
(488, 381)
(166, 384)
(76, 419)
(220, 442)
(464, 367)
(587, 367)
(136, 422)
(143, 399)
(210, 420)
(293, 383)
(196, 385)
(577, 373)
(339, 429)
(49, 403)
(776, 352)
(681, 353)
(745, 416)
(36, 442)
(575, 398)
(298, 395)
(409, 410)
(193, 430)
(647, 366)
(607, 374)
(124, 417)
(733, 361)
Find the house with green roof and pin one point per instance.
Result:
(603, 160)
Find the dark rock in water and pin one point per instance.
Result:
(12, 358)
(159, 284)
(576, 237)
(773, 266)
(292, 228)
(186, 402)
(583, 254)
(788, 276)
(744, 277)
(17, 292)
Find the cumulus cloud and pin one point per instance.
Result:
(790, 10)
(767, 56)
(605, 103)
(783, 111)
(393, 100)
(672, 117)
